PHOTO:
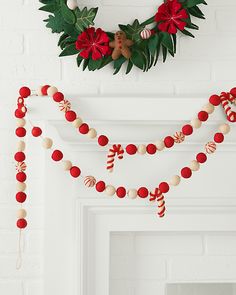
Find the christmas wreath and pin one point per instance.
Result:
(138, 44)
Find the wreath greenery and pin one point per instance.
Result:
(135, 45)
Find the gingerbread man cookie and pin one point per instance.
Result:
(121, 46)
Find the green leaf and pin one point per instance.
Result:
(164, 52)
(85, 18)
(105, 61)
(49, 8)
(79, 60)
(191, 3)
(153, 43)
(56, 23)
(62, 39)
(118, 64)
(195, 11)
(94, 64)
(85, 64)
(129, 67)
(138, 59)
(67, 14)
(133, 31)
(69, 50)
(187, 33)
(167, 41)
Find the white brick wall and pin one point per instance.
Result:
(28, 55)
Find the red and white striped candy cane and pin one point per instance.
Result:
(159, 197)
(227, 98)
(118, 150)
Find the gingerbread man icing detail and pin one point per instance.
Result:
(121, 46)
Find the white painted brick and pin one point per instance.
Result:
(123, 287)
(122, 244)
(35, 287)
(203, 268)
(223, 70)
(10, 287)
(168, 244)
(12, 44)
(138, 267)
(9, 242)
(221, 244)
(149, 287)
(34, 242)
(225, 19)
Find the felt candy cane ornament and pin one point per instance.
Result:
(118, 150)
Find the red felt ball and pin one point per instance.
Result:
(20, 132)
(164, 187)
(186, 172)
(219, 137)
(103, 140)
(19, 114)
(19, 157)
(44, 89)
(21, 177)
(131, 149)
(215, 100)
(25, 92)
(75, 172)
(21, 223)
(151, 149)
(70, 116)
(57, 155)
(203, 116)
(58, 97)
(100, 186)
(187, 130)
(169, 141)
(201, 158)
(36, 131)
(84, 128)
(233, 92)
(121, 192)
(143, 192)
(21, 197)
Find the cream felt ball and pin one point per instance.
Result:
(20, 186)
(142, 149)
(110, 190)
(132, 193)
(51, 91)
(39, 91)
(224, 128)
(175, 180)
(209, 108)
(67, 165)
(77, 122)
(194, 165)
(20, 122)
(196, 123)
(21, 213)
(21, 146)
(72, 4)
(160, 145)
(47, 143)
(92, 133)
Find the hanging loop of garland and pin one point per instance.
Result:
(139, 44)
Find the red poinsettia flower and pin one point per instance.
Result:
(93, 43)
(171, 16)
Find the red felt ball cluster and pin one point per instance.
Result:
(58, 97)
(215, 100)
(70, 116)
(151, 149)
(57, 155)
(169, 141)
(164, 187)
(131, 149)
(143, 192)
(187, 130)
(21, 177)
(36, 131)
(121, 192)
(219, 137)
(21, 197)
(21, 223)
(20, 132)
(44, 89)
(103, 140)
(19, 157)
(19, 114)
(203, 116)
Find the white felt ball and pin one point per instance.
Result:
(20, 122)
(142, 149)
(209, 108)
(39, 91)
(224, 128)
(92, 133)
(47, 143)
(194, 165)
(72, 4)
(67, 165)
(196, 123)
(21, 146)
(175, 180)
(20, 186)
(110, 190)
(51, 91)
(77, 122)
(21, 213)
(160, 145)
(132, 193)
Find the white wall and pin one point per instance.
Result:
(28, 55)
